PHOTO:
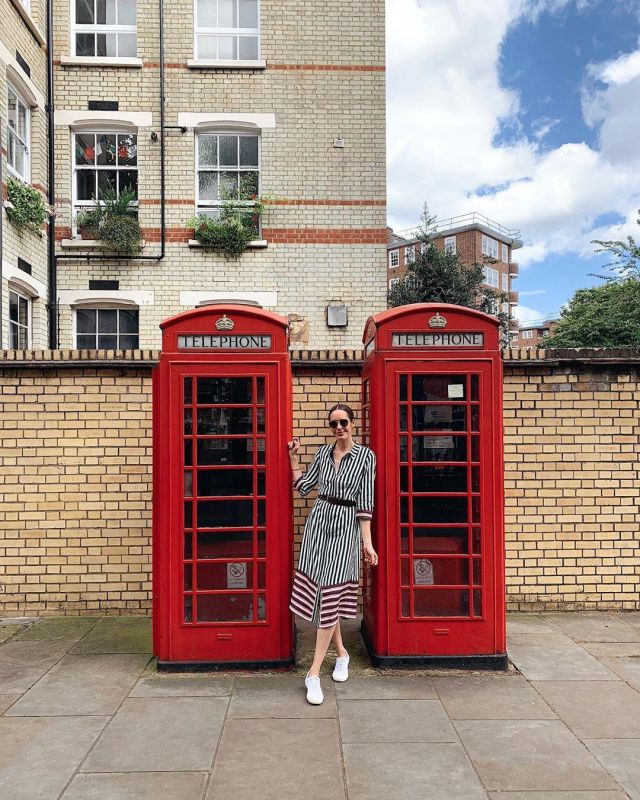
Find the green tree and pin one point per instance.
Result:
(605, 316)
(437, 276)
(625, 261)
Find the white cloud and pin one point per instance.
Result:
(532, 292)
(524, 314)
(445, 104)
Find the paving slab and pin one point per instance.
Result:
(394, 721)
(594, 627)
(530, 755)
(595, 710)
(18, 678)
(82, 685)
(7, 631)
(555, 657)
(528, 624)
(557, 795)
(137, 786)
(631, 617)
(38, 756)
(491, 697)
(386, 687)
(59, 628)
(627, 668)
(6, 700)
(118, 635)
(35, 652)
(279, 696)
(621, 757)
(178, 685)
(602, 650)
(278, 759)
(160, 734)
(432, 771)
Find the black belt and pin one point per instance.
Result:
(338, 501)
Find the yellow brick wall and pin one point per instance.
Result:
(75, 502)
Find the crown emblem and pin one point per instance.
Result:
(437, 321)
(225, 324)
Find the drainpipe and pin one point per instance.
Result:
(53, 273)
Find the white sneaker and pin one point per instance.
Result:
(314, 690)
(341, 669)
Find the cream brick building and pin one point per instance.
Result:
(292, 97)
(23, 102)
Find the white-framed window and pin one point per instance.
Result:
(409, 254)
(423, 248)
(103, 163)
(393, 282)
(527, 334)
(104, 28)
(505, 282)
(228, 171)
(227, 30)
(19, 321)
(505, 253)
(546, 333)
(107, 328)
(18, 134)
(394, 258)
(450, 245)
(505, 308)
(489, 247)
(491, 277)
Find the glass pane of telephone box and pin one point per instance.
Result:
(439, 479)
(226, 607)
(224, 390)
(439, 448)
(220, 482)
(225, 514)
(225, 575)
(188, 608)
(187, 577)
(440, 603)
(439, 509)
(438, 387)
(225, 451)
(224, 421)
(446, 571)
(188, 391)
(439, 418)
(404, 540)
(440, 540)
(225, 544)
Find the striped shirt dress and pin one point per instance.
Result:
(325, 583)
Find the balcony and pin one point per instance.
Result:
(514, 269)
(513, 298)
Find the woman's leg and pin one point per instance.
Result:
(337, 640)
(323, 637)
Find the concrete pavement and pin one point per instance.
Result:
(85, 716)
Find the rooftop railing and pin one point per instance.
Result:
(461, 221)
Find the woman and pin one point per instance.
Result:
(325, 584)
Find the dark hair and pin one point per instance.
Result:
(342, 407)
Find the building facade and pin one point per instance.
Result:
(212, 100)
(23, 163)
(475, 238)
(534, 334)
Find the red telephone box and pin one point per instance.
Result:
(222, 544)
(432, 412)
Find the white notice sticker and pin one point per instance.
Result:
(455, 390)
(237, 575)
(422, 572)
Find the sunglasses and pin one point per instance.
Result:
(335, 422)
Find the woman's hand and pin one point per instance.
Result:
(293, 446)
(370, 555)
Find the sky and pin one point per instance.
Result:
(527, 111)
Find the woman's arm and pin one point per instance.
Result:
(304, 483)
(364, 509)
(370, 555)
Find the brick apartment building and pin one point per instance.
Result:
(474, 238)
(533, 334)
(23, 111)
(178, 100)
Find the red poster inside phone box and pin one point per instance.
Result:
(222, 542)
(432, 412)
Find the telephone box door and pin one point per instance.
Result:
(441, 546)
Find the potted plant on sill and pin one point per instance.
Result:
(26, 207)
(230, 233)
(113, 221)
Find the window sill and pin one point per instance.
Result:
(98, 61)
(85, 244)
(256, 244)
(205, 63)
(28, 21)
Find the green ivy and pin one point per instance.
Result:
(29, 208)
(231, 232)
